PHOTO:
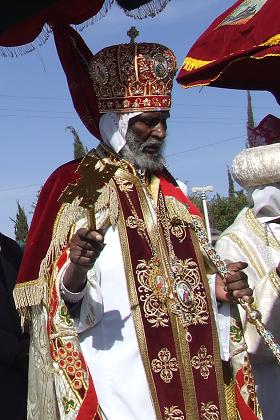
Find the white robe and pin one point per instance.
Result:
(247, 240)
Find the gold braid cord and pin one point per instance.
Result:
(254, 316)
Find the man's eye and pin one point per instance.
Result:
(150, 122)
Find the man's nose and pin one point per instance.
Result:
(159, 130)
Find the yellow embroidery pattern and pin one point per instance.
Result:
(209, 411)
(203, 362)
(165, 365)
(173, 413)
(154, 307)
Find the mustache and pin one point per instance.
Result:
(151, 141)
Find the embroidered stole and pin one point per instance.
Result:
(171, 306)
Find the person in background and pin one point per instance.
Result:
(14, 344)
(254, 237)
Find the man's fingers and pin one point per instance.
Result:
(237, 266)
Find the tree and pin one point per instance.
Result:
(250, 118)
(79, 149)
(231, 189)
(21, 225)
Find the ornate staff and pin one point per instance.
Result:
(92, 178)
(254, 316)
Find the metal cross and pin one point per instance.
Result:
(132, 33)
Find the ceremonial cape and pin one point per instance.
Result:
(169, 297)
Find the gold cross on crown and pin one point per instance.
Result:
(132, 33)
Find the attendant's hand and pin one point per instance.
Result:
(85, 248)
(235, 285)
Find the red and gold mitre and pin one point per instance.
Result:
(133, 77)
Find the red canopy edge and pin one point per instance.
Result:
(238, 54)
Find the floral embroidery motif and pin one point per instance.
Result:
(236, 333)
(173, 413)
(68, 405)
(189, 296)
(203, 362)
(65, 315)
(124, 185)
(68, 359)
(134, 222)
(248, 378)
(209, 411)
(165, 365)
(153, 290)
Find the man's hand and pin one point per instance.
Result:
(85, 248)
(234, 286)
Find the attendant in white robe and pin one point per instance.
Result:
(254, 237)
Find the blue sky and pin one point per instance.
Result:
(206, 130)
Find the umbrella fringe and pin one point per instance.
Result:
(102, 12)
(19, 50)
(147, 10)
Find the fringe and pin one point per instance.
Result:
(190, 63)
(30, 293)
(151, 9)
(18, 51)
(91, 21)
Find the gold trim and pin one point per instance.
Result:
(275, 281)
(216, 344)
(259, 229)
(136, 312)
(190, 63)
(29, 293)
(274, 40)
(185, 369)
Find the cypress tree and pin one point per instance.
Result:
(250, 118)
(21, 225)
(79, 149)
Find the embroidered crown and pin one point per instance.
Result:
(133, 77)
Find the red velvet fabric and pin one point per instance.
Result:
(40, 232)
(237, 58)
(62, 11)
(75, 56)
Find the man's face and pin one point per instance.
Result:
(145, 140)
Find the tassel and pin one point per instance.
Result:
(151, 9)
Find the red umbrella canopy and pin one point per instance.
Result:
(239, 50)
(22, 22)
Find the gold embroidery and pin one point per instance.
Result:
(173, 413)
(209, 411)
(124, 184)
(165, 365)
(134, 222)
(189, 300)
(155, 310)
(203, 362)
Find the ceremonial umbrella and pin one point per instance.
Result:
(239, 50)
(26, 23)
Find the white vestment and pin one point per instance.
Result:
(249, 239)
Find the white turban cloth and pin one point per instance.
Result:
(113, 128)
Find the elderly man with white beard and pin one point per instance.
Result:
(122, 320)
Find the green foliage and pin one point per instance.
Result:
(222, 210)
(21, 225)
(79, 149)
